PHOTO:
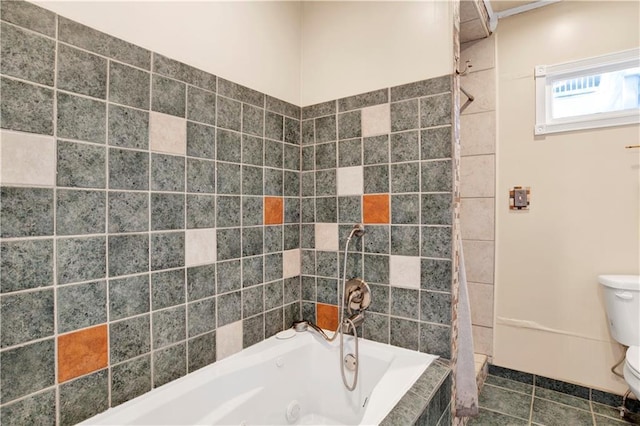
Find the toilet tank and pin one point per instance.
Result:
(622, 302)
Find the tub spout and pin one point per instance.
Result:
(304, 325)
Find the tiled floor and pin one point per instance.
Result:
(507, 402)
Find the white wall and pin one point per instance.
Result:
(256, 44)
(354, 47)
(584, 217)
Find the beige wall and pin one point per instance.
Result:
(584, 217)
(301, 52)
(355, 47)
(256, 44)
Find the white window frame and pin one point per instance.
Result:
(546, 75)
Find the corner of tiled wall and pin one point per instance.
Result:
(381, 158)
(149, 218)
(477, 164)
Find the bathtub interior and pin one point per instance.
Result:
(276, 382)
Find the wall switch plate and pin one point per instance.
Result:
(519, 198)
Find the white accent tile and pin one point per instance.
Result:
(27, 159)
(291, 263)
(482, 340)
(350, 180)
(477, 218)
(228, 340)
(327, 236)
(477, 176)
(405, 271)
(167, 133)
(481, 302)
(478, 260)
(200, 246)
(478, 133)
(376, 120)
(481, 53)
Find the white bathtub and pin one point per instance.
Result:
(262, 383)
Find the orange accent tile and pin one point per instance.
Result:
(327, 316)
(273, 211)
(375, 208)
(82, 352)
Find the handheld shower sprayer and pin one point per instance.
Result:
(357, 231)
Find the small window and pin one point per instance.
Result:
(595, 92)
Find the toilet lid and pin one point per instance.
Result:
(633, 358)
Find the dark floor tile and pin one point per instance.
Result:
(27, 56)
(491, 418)
(562, 398)
(26, 107)
(509, 384)
(505, 401)
(405, 412)
(552, 414)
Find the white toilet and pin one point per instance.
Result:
(622, 300)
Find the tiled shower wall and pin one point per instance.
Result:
(149, 218)
(384, 159)
(477, 168)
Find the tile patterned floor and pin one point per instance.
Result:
(505, 402)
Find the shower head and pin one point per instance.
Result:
(357, 231)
